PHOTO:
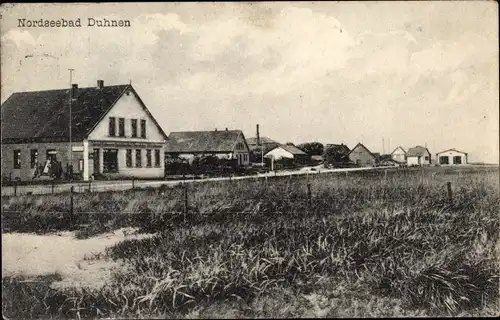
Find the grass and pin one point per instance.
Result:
(364, 245)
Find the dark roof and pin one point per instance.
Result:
(417, 151)
(253, 140)
(452, 150)
(44, 115)
(362, 146)
(203, 141)
(292, 149)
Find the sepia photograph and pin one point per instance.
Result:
(266, 159)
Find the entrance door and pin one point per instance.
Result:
(51, 155)
(96, 161)
(110, 160)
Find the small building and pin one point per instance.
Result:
(399, 155)
(418, 156)
(361, 156)
(223, 144)
(451, 157)
(113, 134)
(256, 144)
(288, 154)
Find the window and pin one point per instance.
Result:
(148, 157)
(426, 158)
(17, 159)
(443, 160)
(51, 155)
(138, 162)
(133, 125)
(457, 160)
(110, 160)
(240, 146)
(34, 158)
(157, 158)
(80, 165)
(112, 126)
(121, 127)
(143, 128)
(129, 158)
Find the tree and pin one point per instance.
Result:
(312, 148)
(289, 144)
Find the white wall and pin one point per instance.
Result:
(127, 107)
(414, 161)
(398, 155)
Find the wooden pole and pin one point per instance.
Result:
(185, 202)
(52, 185)
(450, 192)
(90, 185)
(133, 182)
(15, 188)
(72, 189)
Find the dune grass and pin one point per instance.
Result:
(366, 244)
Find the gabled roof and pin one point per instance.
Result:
(417, 151)
(399, 148)
(362, 146)
(452, 150)
(203, 141)
(253, 140)
(44, 115)
(292, 149)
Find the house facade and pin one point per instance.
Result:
(361, 156)
(418, 156)
(223, 144)
(287, 152)
(451, 157)
(399, 155)
(113, 134)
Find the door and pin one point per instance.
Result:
(110, 160)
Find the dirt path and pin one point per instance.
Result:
(33, 255)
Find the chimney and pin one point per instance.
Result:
(258, 136)
(100, 84)
(74, 91)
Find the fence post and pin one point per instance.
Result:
(385, 174)
(133, 182)
(90, 185)
(309, 194)
(72, 189)
(450, 192)
(52, 185)
(185, 202)
(15, 187)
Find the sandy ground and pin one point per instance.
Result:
(34, 255)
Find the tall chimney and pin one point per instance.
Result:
(258, 136)
(100, 84)
(74, 91)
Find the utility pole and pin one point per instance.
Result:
(383, 146)
(70, 105)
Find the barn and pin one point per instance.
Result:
(361, 156)
(112, 133)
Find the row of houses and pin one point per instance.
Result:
(113, 134)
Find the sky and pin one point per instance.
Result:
(385, 74)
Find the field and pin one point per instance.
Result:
(366, 244)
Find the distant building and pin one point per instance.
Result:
(399, 155)
(113, 134)
(224, 144)
(265, 143)
(361, 156)
(418, 156)
(451, 157)
(284, 152)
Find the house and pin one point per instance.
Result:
(451, 157)
(224, 144)
(113, 134)
(264, 143)
(386, 160)
(418, 156)
(399, 155)
(336, 154)
(288, 154)
(361, 156)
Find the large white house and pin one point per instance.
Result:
(451, 157)
(113, 134)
